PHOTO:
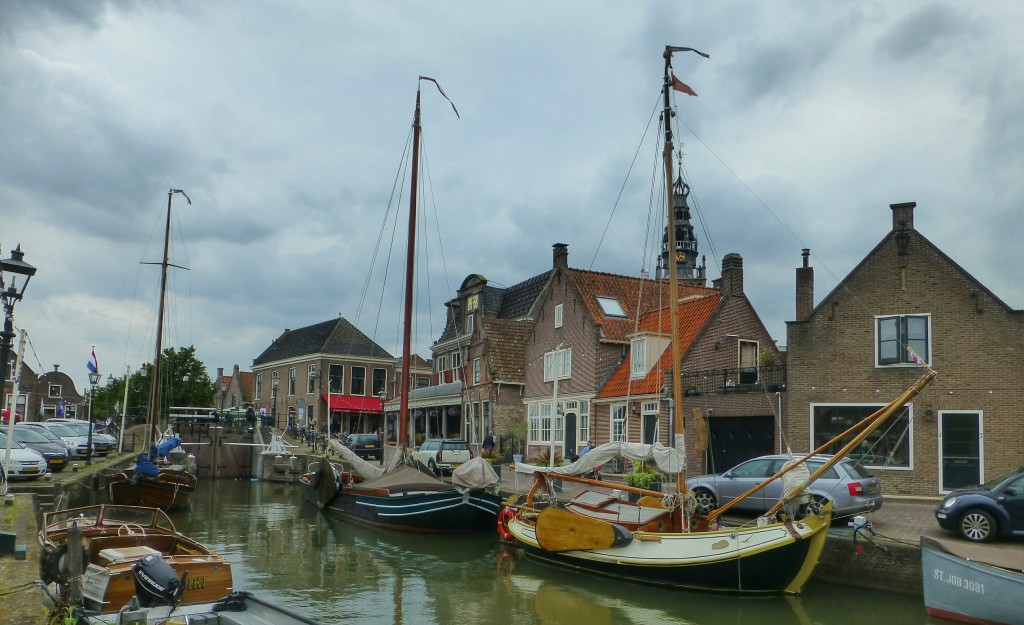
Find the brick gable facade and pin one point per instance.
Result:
(975, 342)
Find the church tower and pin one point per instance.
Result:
(687, 269)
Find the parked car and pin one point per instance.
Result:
(441, 455)
(102, 444)
(52, 449)
(78, 446)
(366, 446)
(980, 513)
(24, 461)
(849, 487)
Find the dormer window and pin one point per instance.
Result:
(610, 306)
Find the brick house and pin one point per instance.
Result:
(479, 356)
(329, 372)
(580, 348)
(849, 355)
(46, 395)
(731, 394)
(233, 390)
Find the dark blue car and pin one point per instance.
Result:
(980, 513)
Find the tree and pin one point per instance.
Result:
(184, 382)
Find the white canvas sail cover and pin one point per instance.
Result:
(477, 473)
(793, 482)
(668, 460)
(359, 466)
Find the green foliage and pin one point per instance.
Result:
(768, 357)
(642, 476)
(184, 382)
(543, 458)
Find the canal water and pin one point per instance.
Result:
(285, 549)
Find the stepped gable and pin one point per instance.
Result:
(336, 336)
(635, 295)
(694, 314)
(506, 348)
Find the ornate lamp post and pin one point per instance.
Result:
(315, 376)
(94, 378)
(11, 295)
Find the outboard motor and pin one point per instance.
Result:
(156, 582)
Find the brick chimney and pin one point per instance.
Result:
(804, 288)
(732, 274)
(561, 255)
(903, 215)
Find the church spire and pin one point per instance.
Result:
(686, 243)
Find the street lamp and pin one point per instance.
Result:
(11, 295)
(273, 406)
(383, 395)
(94, 377)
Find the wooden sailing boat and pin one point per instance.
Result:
(403, 497)
(662, 540)
(155, 482)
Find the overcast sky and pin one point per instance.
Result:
(285, 122)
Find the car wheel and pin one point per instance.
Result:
(706, 501)
(977, 526)
(433, 467)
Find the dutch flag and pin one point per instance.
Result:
(93, 365)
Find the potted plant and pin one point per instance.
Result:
(543, 459)
(492, 458)
(643, 476)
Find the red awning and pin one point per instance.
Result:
(350, 403)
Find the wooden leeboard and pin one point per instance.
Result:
(559, 530)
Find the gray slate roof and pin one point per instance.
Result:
(336, 336)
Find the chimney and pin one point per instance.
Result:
(732, 274)
(903, 216)
(804, 288)
(220, 372)
(561, 255)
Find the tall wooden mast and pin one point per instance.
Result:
(405, 424)
(154, 389)
(673, 279)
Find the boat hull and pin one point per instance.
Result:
(773, 559)
(442, 511)
(168, 491)
(969, 590)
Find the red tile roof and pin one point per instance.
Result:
(635, 295)
(693, 315)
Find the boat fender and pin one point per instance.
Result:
(503, 519)
(53, 565)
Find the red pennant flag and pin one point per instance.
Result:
(679, 85)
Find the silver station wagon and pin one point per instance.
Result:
(849, 487)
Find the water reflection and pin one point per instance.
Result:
(285, 549)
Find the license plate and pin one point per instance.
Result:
(370, 446)
(57, 461)
(30, 470)
(456, 466)
(873, 488)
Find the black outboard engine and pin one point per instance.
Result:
(156, 582)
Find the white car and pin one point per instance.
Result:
(442, 455)
(24, 461)
(102, 444)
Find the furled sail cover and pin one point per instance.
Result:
(668, 460)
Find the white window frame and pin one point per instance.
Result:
(51, 393)
(259, 385)
(651, 408)
(442, 364)
(310, 379)
(291, 381)
(469, 322)
(903, 341)
(981, 444)
(539, 414)
(476, 371)
(566, 364)
(583, 421)
(456, 360)
(610, 306)
(618, 425)
(638, 359)
(352, 381)
(558, 315)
